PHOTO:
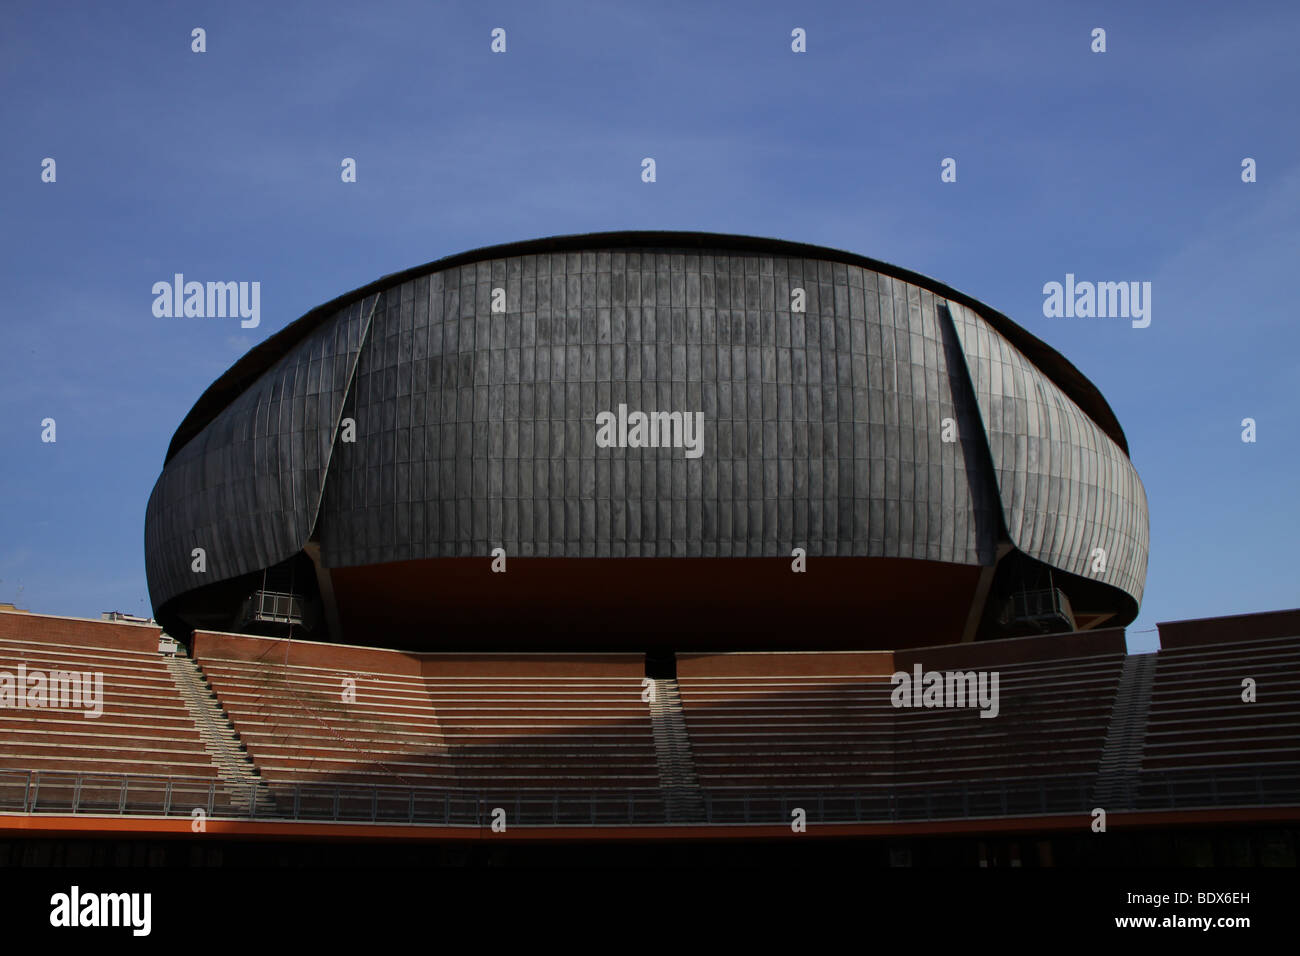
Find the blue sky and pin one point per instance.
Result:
(1117, 166)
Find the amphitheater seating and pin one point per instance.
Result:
(297, 727)
(515, 733)
(1040, 753)
(1204, 744)
(337, 731)
(761, 744)
(836, 737)
(1052, 721)
(144, 729)
(788, 732)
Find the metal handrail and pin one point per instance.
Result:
(39, 791)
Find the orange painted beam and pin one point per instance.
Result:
(48, 825)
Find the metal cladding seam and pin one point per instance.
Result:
(246, 489)
(1066, 488)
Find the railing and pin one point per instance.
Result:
(909, 802)
(1250, 787)
(38, 791)
(130, 795)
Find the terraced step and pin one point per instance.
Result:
(239, 777)
(683, 801)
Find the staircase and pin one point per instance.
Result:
(1121, 757)
(234, 767)
(683, 801)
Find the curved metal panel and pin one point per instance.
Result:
(821, 429)
(247, 488)
(1066, 487)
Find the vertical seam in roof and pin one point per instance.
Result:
(334, 434)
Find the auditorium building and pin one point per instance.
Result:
(946, 475)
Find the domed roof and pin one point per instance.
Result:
(258, 359)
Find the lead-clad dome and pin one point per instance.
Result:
(492, 401)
